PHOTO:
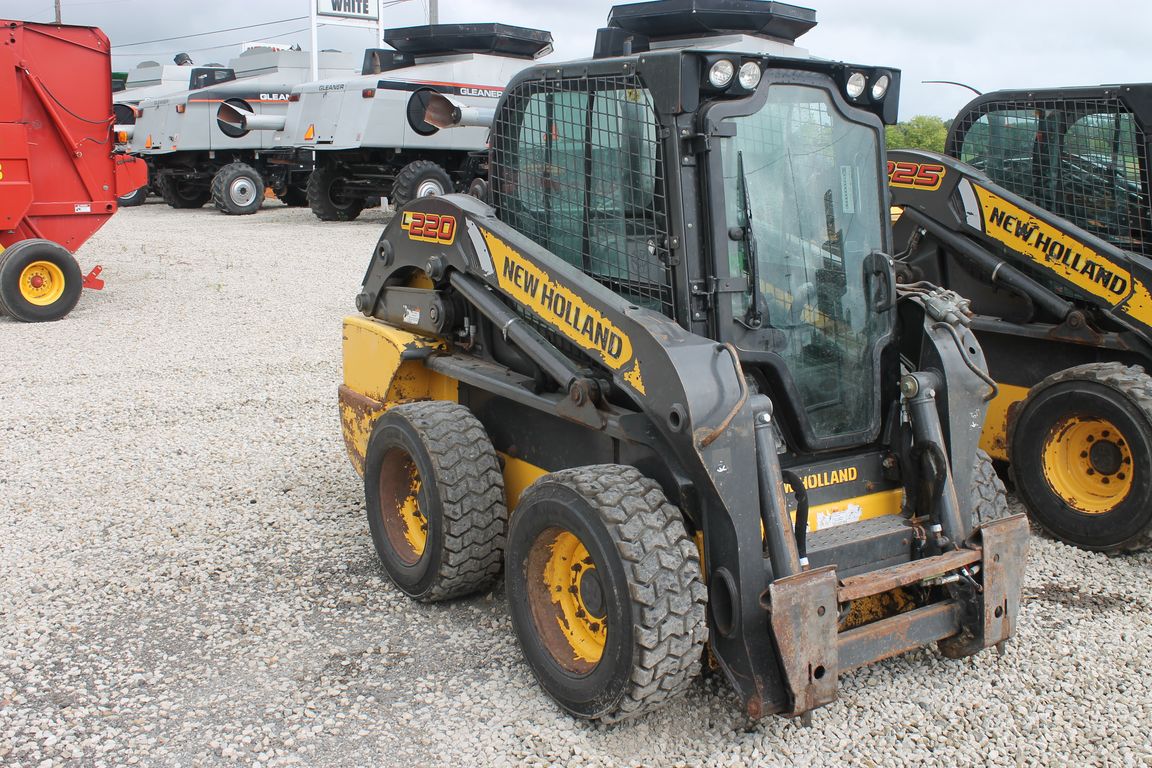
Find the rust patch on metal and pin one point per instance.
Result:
(805, 613)
(876, 582)
(358, 415)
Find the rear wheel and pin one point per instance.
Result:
(435, 499)
(1080, 444)
(40, 281)
(326, 197)
(238, 189)
(421, 178)
(180, 193)
(605, 591)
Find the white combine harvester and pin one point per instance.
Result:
(193, 156)
(369, 133)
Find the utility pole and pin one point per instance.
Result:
(58, 11)
(433, 11)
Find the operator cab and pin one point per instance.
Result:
(706, 167)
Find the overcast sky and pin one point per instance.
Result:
(988, 44)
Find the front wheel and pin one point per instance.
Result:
(1079, 448)
(605, 591)
(989, 497)
(40, 281)
(238, 189)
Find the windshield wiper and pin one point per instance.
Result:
(753, 318)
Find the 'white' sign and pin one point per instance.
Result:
(349, 9)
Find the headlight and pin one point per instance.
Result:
(856, 85)
(721, 73)
(880, 87)
(750, 76)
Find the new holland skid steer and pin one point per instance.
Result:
(667, 383)
(1048, 231)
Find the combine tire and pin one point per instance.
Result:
(989, 498)
(40, 281)
(182, 194)
(132, 200)
(422, 178)
(325, 199)
(238, 189)
(1079, 446)
(435, 498)
(605, 592)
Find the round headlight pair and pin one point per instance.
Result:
(723, 71)
(858, 83)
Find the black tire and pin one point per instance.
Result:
(435, 499)
(1079, 447)
(134, 199)
(325, 199)
(238, 190)
(479, 189)
(40, 281)
(182, 194)
(989, 497)
(420, 178)
(629, 641)
(294, 196)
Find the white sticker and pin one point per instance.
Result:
(83, 208)
(411, 315)
(847, 189)
(836, 517)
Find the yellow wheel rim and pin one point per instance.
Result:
(1088, 463)
(405, 522)
(42, 283)
(568, 600)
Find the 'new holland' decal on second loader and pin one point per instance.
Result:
(1068, 257)
(563, 310)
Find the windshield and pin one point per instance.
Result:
(809, 178)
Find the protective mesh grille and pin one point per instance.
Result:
(1082, 159)
(578, 168)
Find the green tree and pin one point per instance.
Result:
(921, 132)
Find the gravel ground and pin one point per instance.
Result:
(186, 576)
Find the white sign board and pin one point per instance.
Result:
(369, 10)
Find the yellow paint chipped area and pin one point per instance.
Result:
(568, 565)
(376, 378)
(994, 438)
(415, 526)
(634, 378)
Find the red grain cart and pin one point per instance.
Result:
(59, 173)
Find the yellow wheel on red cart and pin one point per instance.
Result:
(40, 281)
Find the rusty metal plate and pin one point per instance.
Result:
(804, 619)
(1005, 545)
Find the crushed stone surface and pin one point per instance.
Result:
(187, 579)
